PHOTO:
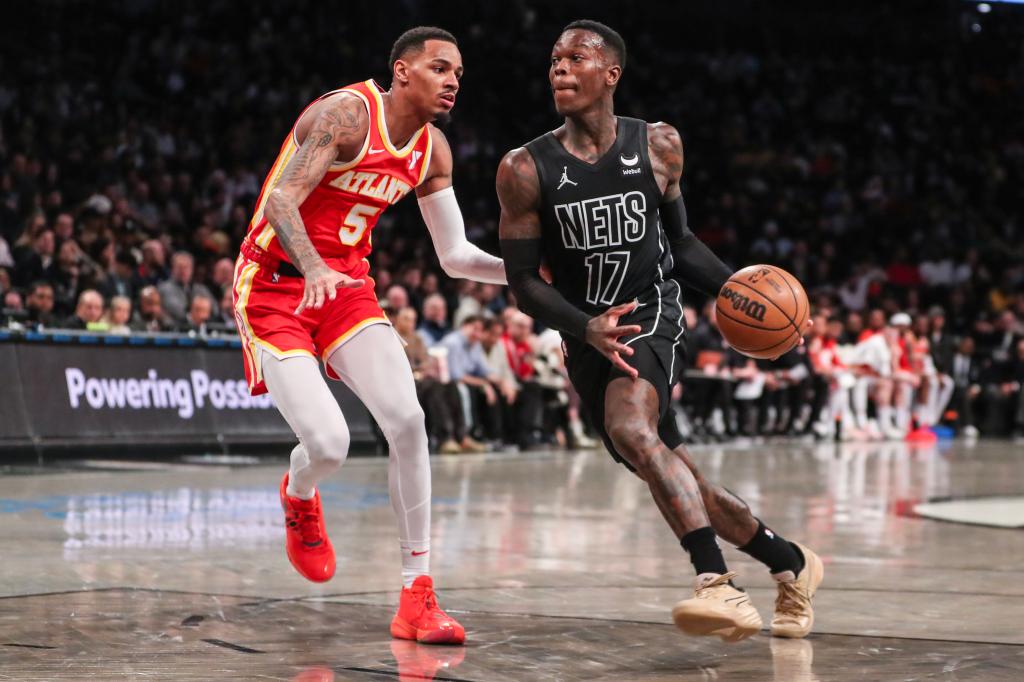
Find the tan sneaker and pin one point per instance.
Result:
(717, 608)
(794, 615)
(450, 447)
(472, 445)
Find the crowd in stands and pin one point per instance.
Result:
(490, 380)
(884, 173)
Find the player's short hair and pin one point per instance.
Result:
(413, 40)
(471, 319)
(609, 35)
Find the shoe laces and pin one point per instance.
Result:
(791, 600)
(307, 525)
(428, 607)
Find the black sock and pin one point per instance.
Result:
(774, 551)
(705, 554)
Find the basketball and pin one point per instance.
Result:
(761, 311)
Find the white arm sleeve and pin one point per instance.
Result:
(459, 258)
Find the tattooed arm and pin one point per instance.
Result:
(338, 129)
(693, 262)
(520, 231)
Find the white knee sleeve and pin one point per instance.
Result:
(309, 407)
(374, 366)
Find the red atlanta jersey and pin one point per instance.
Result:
(340, 213)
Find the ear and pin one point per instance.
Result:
(613, 75)
(400, 73)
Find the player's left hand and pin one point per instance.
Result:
(807, 327)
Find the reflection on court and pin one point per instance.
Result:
(558, 565)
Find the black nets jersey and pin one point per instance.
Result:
(600, 228)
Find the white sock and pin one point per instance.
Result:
(923, 415)
(903, 418)
(885, 417)
(296, 475)
(415, 561)
(860, 403)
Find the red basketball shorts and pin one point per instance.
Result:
(265, 313)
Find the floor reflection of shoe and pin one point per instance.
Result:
(717, 608)
(792, 659)
(418, 662)
(450, 447)
(315, 675)
(306, 542)
(420, 618)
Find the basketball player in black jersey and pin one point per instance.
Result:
(598, 201)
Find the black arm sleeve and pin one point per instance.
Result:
(693, 262)
(536, 297)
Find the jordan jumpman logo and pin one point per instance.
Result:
(565, 178)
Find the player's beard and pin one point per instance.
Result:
(442, 118)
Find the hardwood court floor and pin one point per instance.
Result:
(558, 564)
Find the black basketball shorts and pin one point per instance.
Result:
(659, 353)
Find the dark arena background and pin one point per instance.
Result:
(874, 150)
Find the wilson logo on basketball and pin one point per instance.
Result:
(751, 309)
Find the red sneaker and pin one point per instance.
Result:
(420, 618)
(309, 549)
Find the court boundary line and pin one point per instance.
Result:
(475, 588)
(592, 619)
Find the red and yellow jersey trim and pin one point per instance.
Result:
(288, 150)
(429, 154)
(346, 165)
(382, 126)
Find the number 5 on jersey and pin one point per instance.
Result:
(355, 223)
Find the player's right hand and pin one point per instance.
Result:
(603, 333)
(322, 285)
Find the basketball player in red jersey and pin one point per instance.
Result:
(303, 293)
